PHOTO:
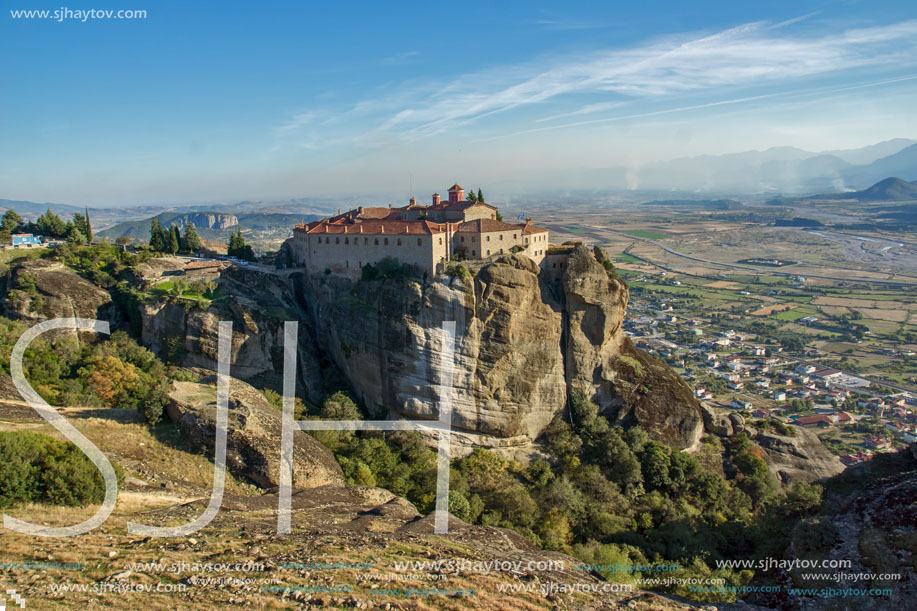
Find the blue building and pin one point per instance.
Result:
(26, 239)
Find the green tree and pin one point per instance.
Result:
(49, 224)
(81, 224)
(11, 221)
(238, 248)
(157, 239)
(191, 241)
(480, 196)
(76, 237)
(471, 196)
(174, 239)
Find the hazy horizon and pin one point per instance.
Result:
(186, 106)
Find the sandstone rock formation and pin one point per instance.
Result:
(523, 345)
(257, 304)
(43, 289)
(802, 458)
(522, 348)
(254, 433)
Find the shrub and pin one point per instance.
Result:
(457, 270)
(41, 469)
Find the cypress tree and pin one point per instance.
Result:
(480, 196)
(87, 230)
(173, 239)
(156, 238)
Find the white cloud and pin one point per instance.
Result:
(750, 54)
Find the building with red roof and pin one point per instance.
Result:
(424, 236)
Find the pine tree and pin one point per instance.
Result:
(157, 243)
(50, 224)
(480, 196)
(470, 196)
(11, 221)
(191, 241)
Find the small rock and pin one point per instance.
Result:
(113, 554)
(121, 575)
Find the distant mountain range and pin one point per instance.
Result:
(107, 218)
(211, 225)
(784, 169)
(887, 190)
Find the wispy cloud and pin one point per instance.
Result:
(739, 56)
(399, 58)
(753, 54)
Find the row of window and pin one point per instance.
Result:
(337, 240)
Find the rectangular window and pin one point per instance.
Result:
(337, 240)
(399, 241)
(346, 240)
(420, 241)
(377, 241)
(386, 241)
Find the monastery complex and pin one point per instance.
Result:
(425, 236)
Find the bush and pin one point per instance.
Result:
(38, 468)
(457, 270)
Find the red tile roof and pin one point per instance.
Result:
(455, 187)
(376, 228)
(487, 225)
(202, 265)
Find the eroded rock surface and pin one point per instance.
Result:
(254, 434)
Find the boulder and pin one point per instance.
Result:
(44, 289)
(253, 436)
(802, 458)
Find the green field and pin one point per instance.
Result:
(623, 256)
(791, 315)
(649, 235)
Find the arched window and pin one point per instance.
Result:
(420, 241)
(488, 238)
(463, 239)
(377, 241)
(346, 240)
(440, 241)
(399, 241)
(386, 241)
(474, 253)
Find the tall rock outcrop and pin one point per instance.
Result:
(257, 304)
(524, 343)
(522, 348)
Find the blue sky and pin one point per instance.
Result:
(210, 101)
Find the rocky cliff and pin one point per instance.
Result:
(39, 290)
(523, 346)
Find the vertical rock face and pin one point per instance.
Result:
(522, 346)
(258, 305)
(507, 373)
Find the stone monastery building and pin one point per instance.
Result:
(425, 236)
